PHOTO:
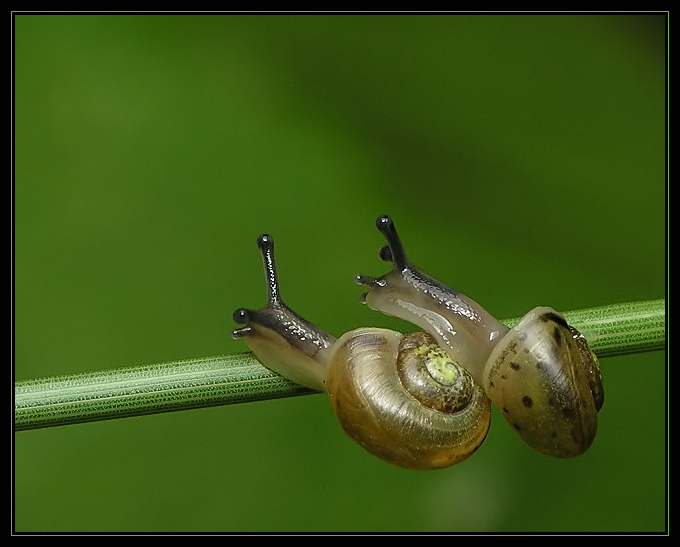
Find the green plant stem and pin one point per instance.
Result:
(211, 381)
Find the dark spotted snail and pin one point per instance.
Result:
(421, 400)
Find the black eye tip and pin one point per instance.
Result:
(265, 241)
(394, 250)
(241, 316)
(384, 222)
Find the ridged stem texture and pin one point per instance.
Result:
(210, 381)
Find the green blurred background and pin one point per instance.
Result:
(522, 157)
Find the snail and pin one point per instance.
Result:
(399, 396)
(421, 400)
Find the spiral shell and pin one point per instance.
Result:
(437, 419)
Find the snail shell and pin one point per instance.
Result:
(404, 400)
(547, 383)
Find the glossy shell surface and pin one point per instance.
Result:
(373, 407)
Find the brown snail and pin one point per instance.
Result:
(422, 400)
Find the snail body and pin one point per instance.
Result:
(399, 396)
(422, 400)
